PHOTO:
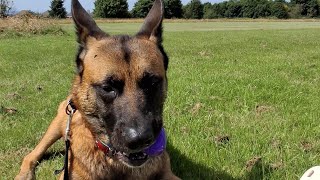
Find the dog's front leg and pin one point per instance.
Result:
(54, 132)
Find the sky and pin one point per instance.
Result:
(43, 5)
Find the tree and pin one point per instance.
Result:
(279, 10)
(221, 9)
(217, 10)
(141, 8)
(301, 7)
(255, 8)
(57, 9)
(233, 9)
(111, 9)
(172, 9)
(5, 7)
(308, 8)
(313, 8)
(263, 9)
(193, 10)
(208, 12)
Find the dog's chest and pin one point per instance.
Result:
(96, 167)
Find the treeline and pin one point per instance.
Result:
(260, 9)
(195, 9)
(119, 9)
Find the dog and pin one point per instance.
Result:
(115, 106)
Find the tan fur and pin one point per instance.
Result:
(86, 160)
(125, 59)
(144, 56)
(102, 58)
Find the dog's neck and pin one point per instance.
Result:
(104, 145)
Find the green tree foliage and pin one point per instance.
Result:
(193, 10)
(308, 8)
(208, 12)
(233, 9)
(141, 8)
(256, 8)
(172, 9)
(280, 10)
(313, 8)
(301, 6)
(211, 11)
(111, 9)
(221, 9)
(57, 9)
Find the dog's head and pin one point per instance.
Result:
(121, 83)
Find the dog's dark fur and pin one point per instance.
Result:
(119, 92)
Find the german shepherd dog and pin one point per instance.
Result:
(118, 93)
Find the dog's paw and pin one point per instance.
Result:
(25, 176)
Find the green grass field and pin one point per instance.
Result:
(243, 100)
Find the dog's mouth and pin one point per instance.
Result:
(133, 159)
(139, 158)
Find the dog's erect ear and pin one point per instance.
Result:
(152, 26)
(84, 23)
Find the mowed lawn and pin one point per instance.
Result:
(243, 100)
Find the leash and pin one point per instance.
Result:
(70, 110)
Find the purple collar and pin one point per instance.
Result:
(154, 150)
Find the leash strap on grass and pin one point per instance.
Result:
(70, 110)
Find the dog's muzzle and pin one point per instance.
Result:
(139, 158)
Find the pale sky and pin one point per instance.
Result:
(43, 5)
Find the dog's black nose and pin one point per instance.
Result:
(137, 139)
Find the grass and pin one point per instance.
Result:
(243, 99)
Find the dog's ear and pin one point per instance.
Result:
(85, 25)
(152, 26)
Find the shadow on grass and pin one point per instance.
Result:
(49, 155)
(259, 171)
(186, 169)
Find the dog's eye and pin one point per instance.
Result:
(107, 89)
(110, 88)
(149, 82)
(155, 81)
(109, 92)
